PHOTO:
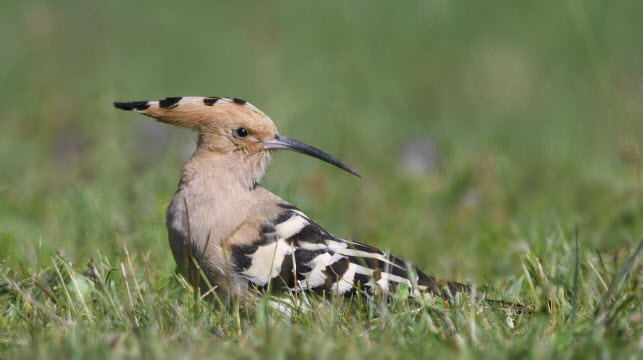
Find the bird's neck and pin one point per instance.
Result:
(230, 173)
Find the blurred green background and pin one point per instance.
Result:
(481, 128)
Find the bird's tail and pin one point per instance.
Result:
(449, 289)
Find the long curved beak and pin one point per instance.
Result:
(285, 143)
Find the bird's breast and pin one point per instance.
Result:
(199, 223)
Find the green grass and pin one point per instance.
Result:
(535, 197)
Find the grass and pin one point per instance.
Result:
(129, 308)
(525, 119)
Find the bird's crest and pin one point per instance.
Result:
(191, 111)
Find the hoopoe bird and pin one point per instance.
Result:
(246, 239)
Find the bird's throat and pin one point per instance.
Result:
(233, 172)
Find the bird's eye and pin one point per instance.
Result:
(241, 132)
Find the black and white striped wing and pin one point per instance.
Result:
(294, 252)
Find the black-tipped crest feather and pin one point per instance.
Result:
(132, 105)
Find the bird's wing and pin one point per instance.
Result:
(293, 252)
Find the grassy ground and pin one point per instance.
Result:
(486, 133)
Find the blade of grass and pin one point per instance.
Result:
(63, 285)
(572, 318)
(616, 287)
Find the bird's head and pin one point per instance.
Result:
(231, 127)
